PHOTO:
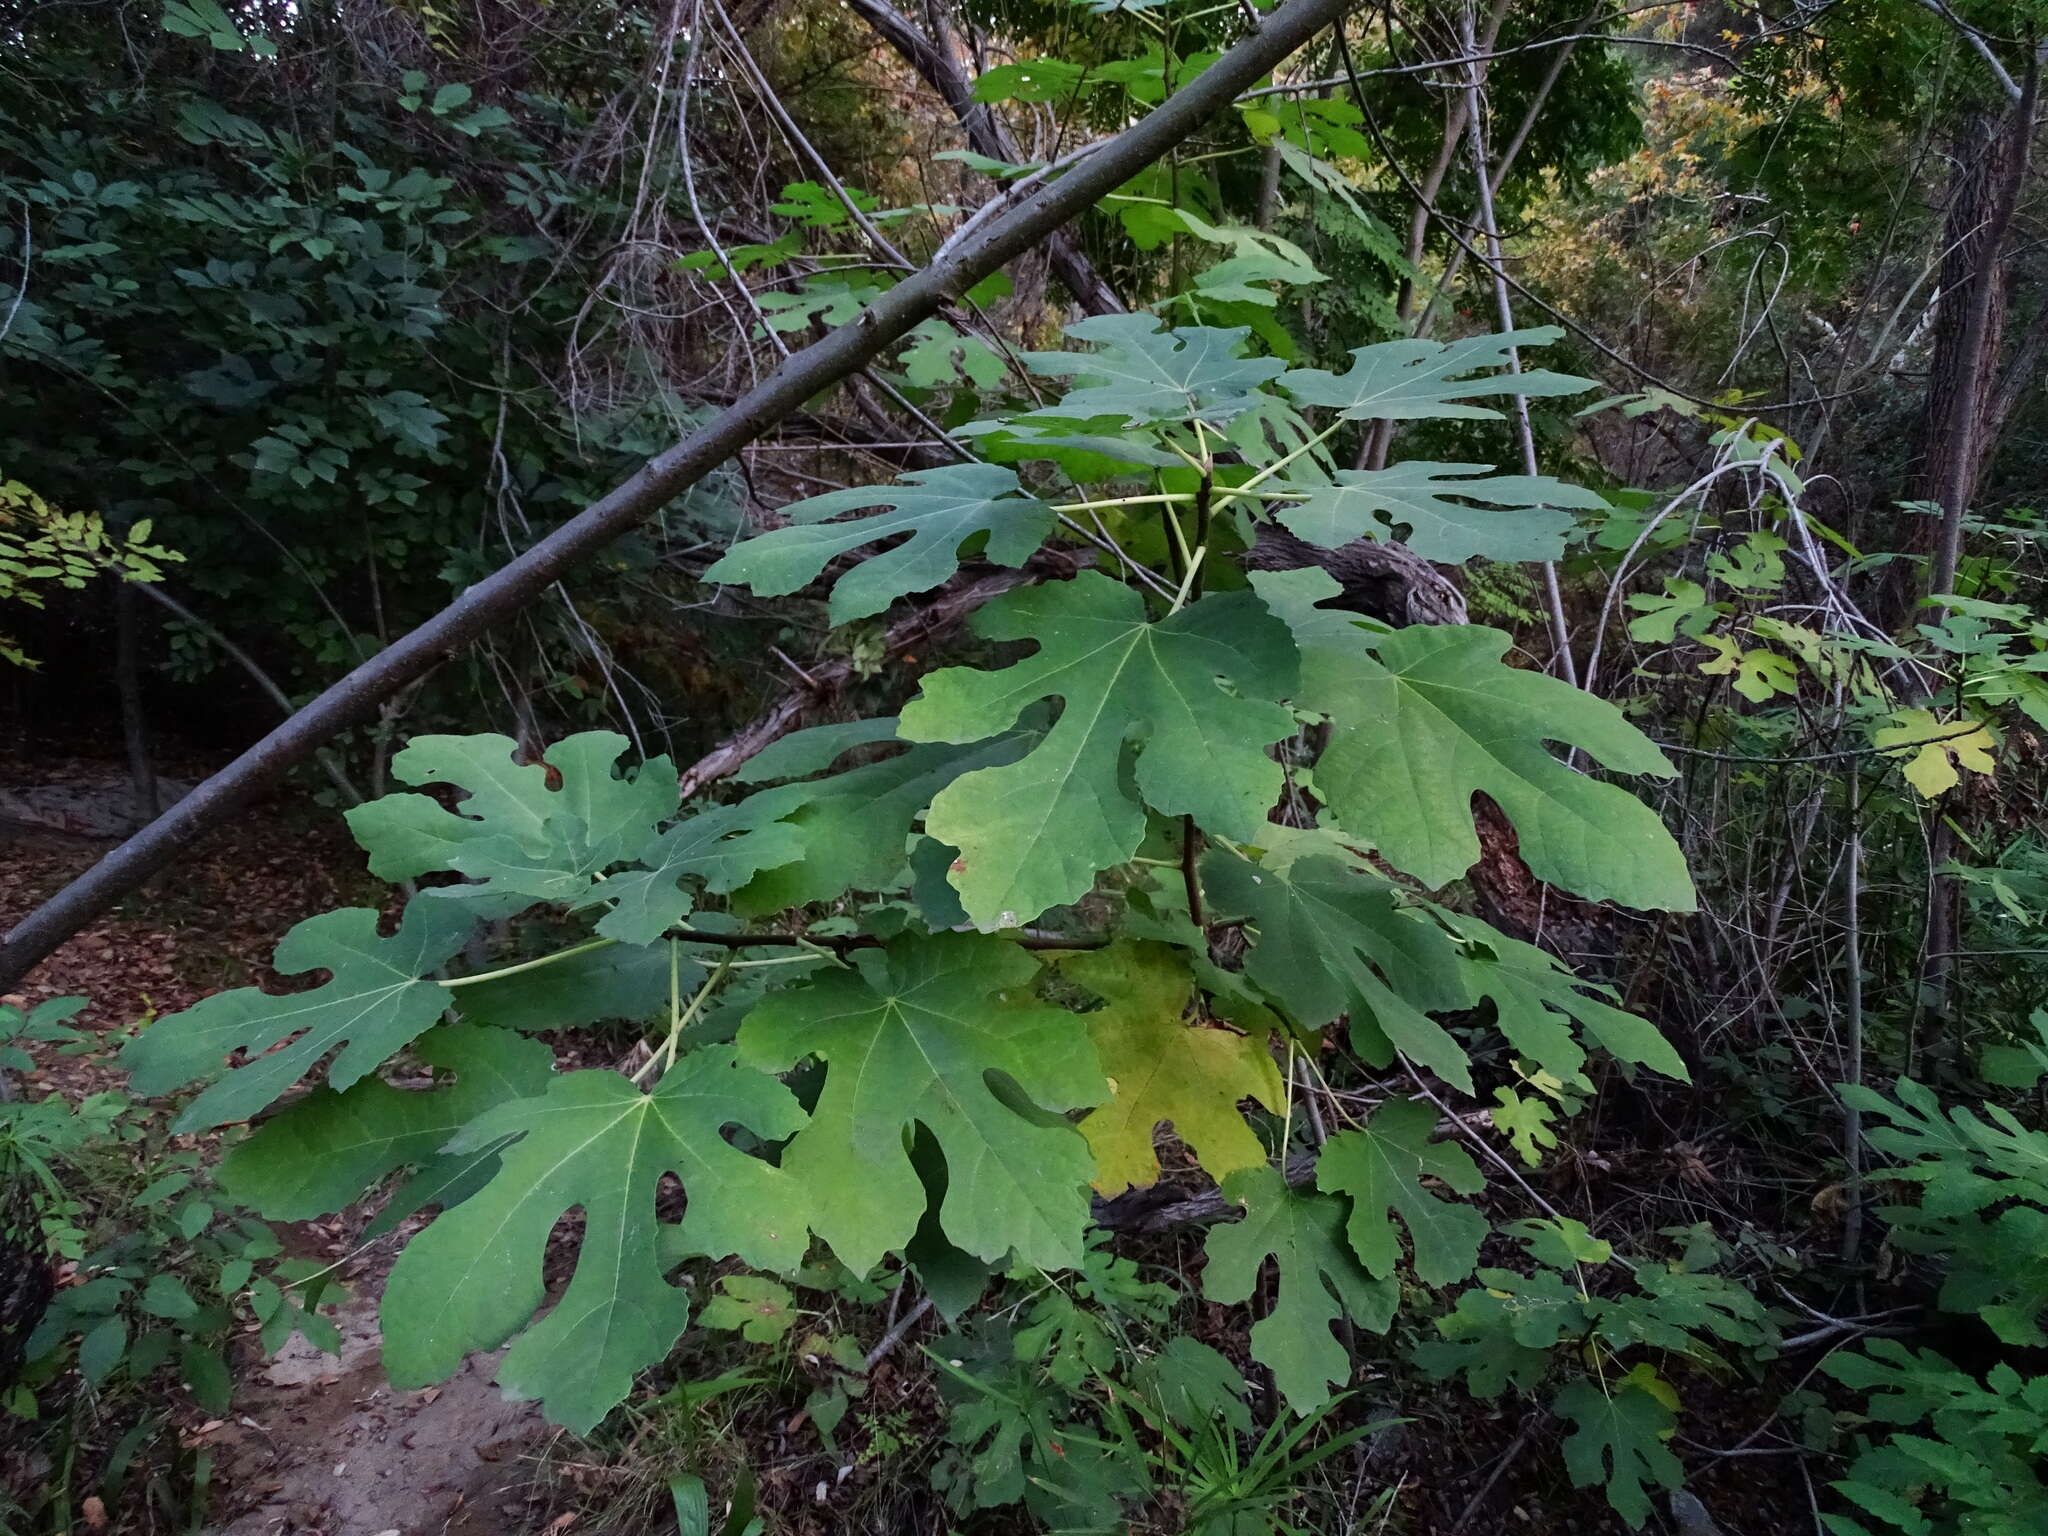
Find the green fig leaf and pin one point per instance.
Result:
(1407, 380)
(596, 1143)
(853, 827)
(1035, 833)
(931, 518)
(1414, 502)
(1423, 718)
(910, 1037)
(513, 834)
(324, 1151)
(1320, 1281)
(1618, 1435)
(1381, 1167)
(716, 850)
(378, 999)
(1142, 373)
(1334, 940)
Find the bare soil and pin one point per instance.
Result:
(322, 1443)
(314, 1443)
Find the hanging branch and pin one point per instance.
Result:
(329, 763)
(1489, 228)
(906, 636)
(1976, 344)
(1005, 235)
(934, 59)
(1503, 162)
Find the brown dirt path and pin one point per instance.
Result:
(322, 1443)
(313, 1442)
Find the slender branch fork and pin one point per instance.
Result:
(1482, 171)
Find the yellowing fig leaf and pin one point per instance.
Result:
(909, 1038)
(1162, 1067)
(594, 1143)
(378, 999)
(939, 510)
(1681, 608)
(1405, 380)
(1419, 497)
(1756, 675)
(1933, 749)
(1525, 1122)
(1320, 1281)
(1381, 1167)
(1423, 718)
(1035, 833)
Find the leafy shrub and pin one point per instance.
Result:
(1978, 1472)
(1560, 1326)
(161, 1270)
(1965, 1454)
(984, 945)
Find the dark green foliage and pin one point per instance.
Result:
(310, 308)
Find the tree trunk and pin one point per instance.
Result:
(1990, 167)
(1989, 156)
(134, 723)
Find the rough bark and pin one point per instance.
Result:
(1991, 167)
(2021, 372)
(134, 720)
(1990, 160)
(1389, 582)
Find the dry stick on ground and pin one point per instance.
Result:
(1018, 228)
(1505, 1460)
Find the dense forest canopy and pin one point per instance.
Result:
(1007, 765)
